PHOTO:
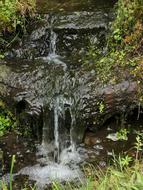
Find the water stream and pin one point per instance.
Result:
(58, 155)
(53, 38)
(56, 131)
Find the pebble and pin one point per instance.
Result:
(98, 147)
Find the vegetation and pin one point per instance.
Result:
(13, 18)
(12, 13)
(124, 44)
(7, 121)
(113, 179)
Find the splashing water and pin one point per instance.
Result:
(56, 132)
(53, 39)
(63, 165)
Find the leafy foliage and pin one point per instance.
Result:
(13, 19)
(124, 44)
(127, 29)
(122, 134)
(7, 120)
(12, 12)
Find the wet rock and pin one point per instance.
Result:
(44, 6)
(79, 20)
(102, 163)
(97, 153)
(74, 31)
(30, 85)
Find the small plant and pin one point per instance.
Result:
(11, 170)
(124, 161)
(101, 106)
(7, 120)
(5, 124)
(138, 144)
(1, 56)
(121, 161)
(3, 184)
(122, 134)
(12, 12)
(124, 45)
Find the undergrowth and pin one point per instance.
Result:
(13, 19)
(124, 48)
(7, 120)
(12, 12)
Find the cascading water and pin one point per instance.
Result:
(56, 130)
(57, 154)
(62, 165)
(53, 39)
(53, 57)
(58, 101)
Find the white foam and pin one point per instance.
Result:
(50, 173)
(70, 156)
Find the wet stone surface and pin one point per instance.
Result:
(71, 34)
(73, 5)
(23, 148)
(101, 148)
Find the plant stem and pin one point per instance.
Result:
(11, 170)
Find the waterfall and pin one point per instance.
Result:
(58, 156)
(56, 130)
(53, 39)
(73, 123)
(59, 141)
